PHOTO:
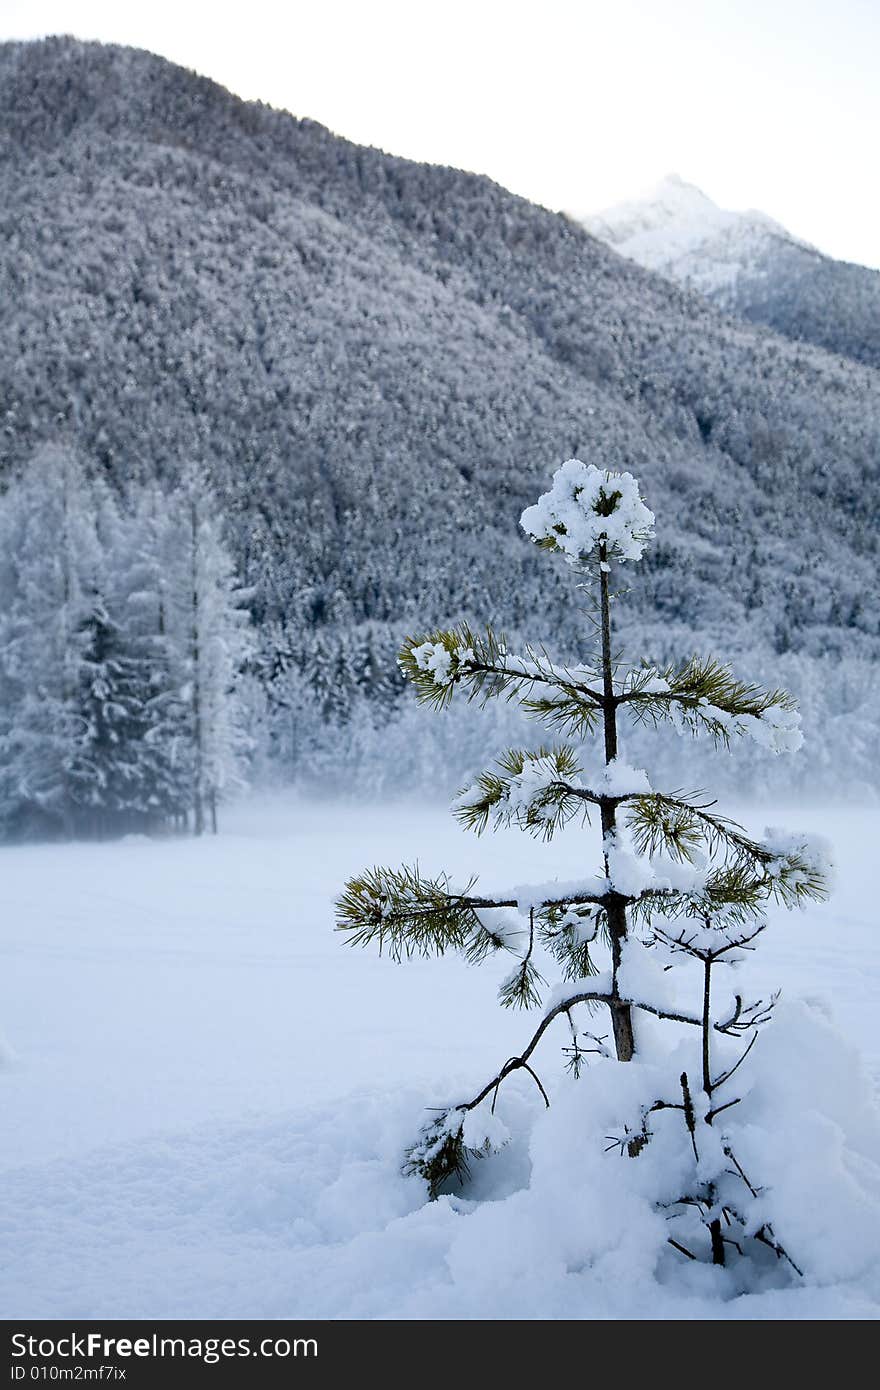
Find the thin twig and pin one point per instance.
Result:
(537, 1081)
(725, 1076)
(710, 1116)
(682, 1248)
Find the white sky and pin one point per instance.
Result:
(773, 104)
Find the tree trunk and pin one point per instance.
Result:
(715, 1234)
(621, 1014)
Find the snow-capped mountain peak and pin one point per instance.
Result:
(747, 265)
(673, 199)
(677, 230)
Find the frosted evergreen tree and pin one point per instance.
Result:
(141, 562)
(50, 550)
(105, 774)
(209, 629)
(678, 881)
(114, 763)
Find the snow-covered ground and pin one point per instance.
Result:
(206, 1092)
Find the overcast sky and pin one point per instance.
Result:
(773, 104)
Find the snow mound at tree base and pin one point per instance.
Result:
(308, 1216)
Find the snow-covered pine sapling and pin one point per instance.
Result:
(665, 856)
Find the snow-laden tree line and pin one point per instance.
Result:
(320, 719)
(122, 631)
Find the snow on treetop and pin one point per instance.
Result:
(589, 506)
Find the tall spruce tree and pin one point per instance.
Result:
(108, 772)
(141, 562)
(50, 549)
(210, 632)
(678, 880)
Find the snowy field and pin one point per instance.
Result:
(206, 1092)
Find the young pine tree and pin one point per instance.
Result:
(677, 880)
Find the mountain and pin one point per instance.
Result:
(381, 362)
(748, 265)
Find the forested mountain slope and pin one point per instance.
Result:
(381, 362)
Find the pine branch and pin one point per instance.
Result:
(712, 941)
(746, 1016)
(684, 826)
(439, 1155)
(670, 1015)
(702, 680)
(575, 1054)
(667, 823)
(482, 664)
(483, 942)
(409, 914)
(579, 997)
(731, 895)
(566, 932)
(534, 791)
(515, 1063)
(705, 696)
(539, 792)
(567, 712)
(521, 989)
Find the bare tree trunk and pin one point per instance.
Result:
(621, 1014)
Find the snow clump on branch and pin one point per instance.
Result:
(813, 853)
(434, 657)
(588, 507)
